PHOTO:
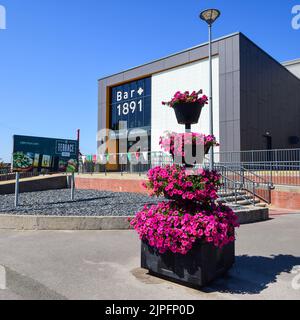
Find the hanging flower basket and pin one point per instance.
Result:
(177, 144)
(187, 113)
(187, 106)
(206, 149)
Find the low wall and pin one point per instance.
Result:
(282, 197)
(35, 184)
(286, 197)
(14, 222)
(114, 185)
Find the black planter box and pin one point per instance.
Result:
(187, 113)
(203, 264)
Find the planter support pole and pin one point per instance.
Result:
(17, 189)
(211, 119)
(73, 186)
(210, 16)
(188, 128)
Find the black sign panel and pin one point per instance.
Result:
(44, 154)
(131, 102)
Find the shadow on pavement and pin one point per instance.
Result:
(253, 274)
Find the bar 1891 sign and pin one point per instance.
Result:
(131, 102)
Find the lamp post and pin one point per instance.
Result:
(210, 16)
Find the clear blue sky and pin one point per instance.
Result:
(53, 52)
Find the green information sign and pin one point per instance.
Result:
(44, 155)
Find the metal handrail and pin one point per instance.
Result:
(237, 186)
(261, 179)
(246, 182)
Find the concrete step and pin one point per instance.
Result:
(248, 202)
(243, 202)
(243, 199)
(261, 205)
(233, 198)
(231, 194)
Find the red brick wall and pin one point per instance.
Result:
(115, 185)
(280, 199)
(286, 199)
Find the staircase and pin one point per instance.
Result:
(242, 188)
(239, 199)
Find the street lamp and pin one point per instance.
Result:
(210, 16)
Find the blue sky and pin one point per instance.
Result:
(53, 52)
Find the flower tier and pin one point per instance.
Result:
(169, 226)
(179, 145)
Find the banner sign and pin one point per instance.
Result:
(44, 155)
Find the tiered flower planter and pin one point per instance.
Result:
(188, 238)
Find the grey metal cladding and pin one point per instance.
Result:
(236, 95)
(198, 53)
(117, 78)
(142, 71)
(229, 64)
(102, 85)
(177, 60)
(270, 99)
(229, 55)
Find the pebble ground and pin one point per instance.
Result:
(87, 203)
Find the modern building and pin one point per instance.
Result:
(256, 99)
(293, 66)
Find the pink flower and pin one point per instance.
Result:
(186, 97)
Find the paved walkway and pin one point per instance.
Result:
(105, 265)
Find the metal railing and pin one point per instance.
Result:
(247, 181)
(257, 170)
(231, 192)
(283, 173)
(279, 166)
(259, 156)
(126, 163)
(8, 175)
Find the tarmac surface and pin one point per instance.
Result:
(105, 265)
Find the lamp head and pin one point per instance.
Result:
(210, 15)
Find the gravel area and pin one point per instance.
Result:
(87, 203)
